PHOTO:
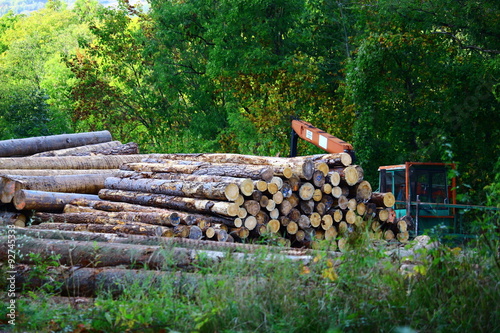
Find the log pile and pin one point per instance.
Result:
(104, 187)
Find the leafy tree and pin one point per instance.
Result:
(421, 85)
(31, 68)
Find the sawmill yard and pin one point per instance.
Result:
(97, 237)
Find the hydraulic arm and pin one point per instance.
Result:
(317, 137)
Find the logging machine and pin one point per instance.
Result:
(423, 190)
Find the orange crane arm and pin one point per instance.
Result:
(320, 138)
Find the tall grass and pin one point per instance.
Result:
(364, 290)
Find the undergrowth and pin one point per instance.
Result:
(443, 289)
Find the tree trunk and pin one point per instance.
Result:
(223, 208)
(29, 146)
(46, 201)
(70, 162)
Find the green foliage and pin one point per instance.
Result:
(434, 288)
(421, 82)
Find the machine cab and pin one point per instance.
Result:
(422, 190)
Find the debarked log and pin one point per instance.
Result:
(119, 227)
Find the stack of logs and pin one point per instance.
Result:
(295, 202)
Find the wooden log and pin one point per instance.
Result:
(70, 162)
(363, 191)
(352, 174)
(256, 172)
(131, 229)
(33, 145)
(223, 208)
(193, 189)
(12, 218)
(327, 188)
(318, 178)
(306, 191)
(98, 254)
(307, 206)
(292, 228)
(56, 172)
(352, 204)
(273, 226)
(333, 159)
(342, 202)
(361, 208)
(85, 150)
(304, 222)
(315, 219)
(287, 167)
(331, 233)
(317, 195)
(102, 217)
(83, 183)
(240, 233)
(386, 199)
(350, 216)
(278, 197)
(252, 207)
(326, 222)
(333, 178)
(46, 201)
(250, 222)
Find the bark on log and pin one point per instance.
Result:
(84, 183)
(255, 172)
(223, 208)
(12, 218)
(56, 172)
(46, 201)
(29, 146)
(92, 254)
(352, 174)
(102, 217)
(282, 166)
(338, 159)
(132, 229)
(81, 150)
(206, 190)
(70, 162)
(386, 199)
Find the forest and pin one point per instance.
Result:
(402, 80)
